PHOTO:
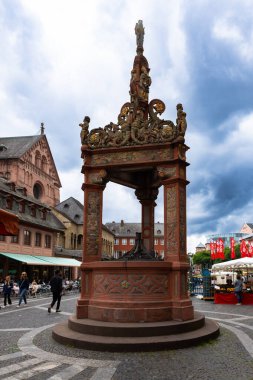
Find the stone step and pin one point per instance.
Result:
(93, 327)
(64, 335)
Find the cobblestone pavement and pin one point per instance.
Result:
(27, 350)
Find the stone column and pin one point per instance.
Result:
(147, 199)
(174, 183)
(92, 224)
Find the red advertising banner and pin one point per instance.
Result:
(232, 247)
(250, 249)
(213, 250)
(244, 249)
(222, 253)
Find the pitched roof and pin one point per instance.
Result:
(250, 225)
(200, 245)
(15, 147)
(130, 229)
(71, 208)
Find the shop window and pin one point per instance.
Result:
(14, 239)
(27, 237)
(38, 239)
(47, 241)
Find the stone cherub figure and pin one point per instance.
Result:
(85, 130)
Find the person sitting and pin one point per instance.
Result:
(34, 288)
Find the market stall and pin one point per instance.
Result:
(224, 290)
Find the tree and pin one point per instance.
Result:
(202, 258)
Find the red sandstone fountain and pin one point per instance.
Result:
(138, 302)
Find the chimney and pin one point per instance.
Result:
(122, 223)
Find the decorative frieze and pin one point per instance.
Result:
(132, 156)
(131, 284)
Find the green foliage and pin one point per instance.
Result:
(202, 258)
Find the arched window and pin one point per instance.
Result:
(44, 164)
(37, 190)
(37, 159)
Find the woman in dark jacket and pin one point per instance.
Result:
(23, 288)
(8, 285)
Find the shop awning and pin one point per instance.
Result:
(243, 263)
(42, 260)
(60, 261)
(9, 223)
(27, 259)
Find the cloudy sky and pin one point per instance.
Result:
(61, 60)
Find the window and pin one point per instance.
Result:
(38, 239)
(33, 211)
(2, 238)
(43, 214)
(47, 241)
(37, 191)
(128, 231)
(14, 239)
(116, 241)
(159, 232)
(124, 241)
(132, 241)
(27, 237)
(162, 241)
(21, 207)
(9, 203)
(156, 242)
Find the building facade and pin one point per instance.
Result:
(125, 235)
(38, 231)
(70, 242)
(29, 188)
(27, 162)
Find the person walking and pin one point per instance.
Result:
(238, 289)
(23, 288)
(56, 289)
(7, 289)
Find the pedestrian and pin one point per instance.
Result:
(23, 288)
(238, 289)
(7, 289)
(56, 289)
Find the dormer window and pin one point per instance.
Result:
(21, 207)
(9, 203)
(33, 210)
(43, 214)
(159, 232)
(3, 148)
